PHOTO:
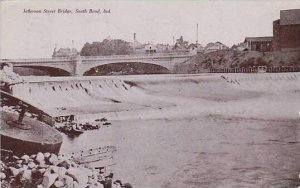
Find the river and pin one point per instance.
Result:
(205, 130)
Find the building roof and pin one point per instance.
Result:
(192, 46)
(211, 44)
(258, 39)
(290, 17)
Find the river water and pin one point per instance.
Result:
(208, 130)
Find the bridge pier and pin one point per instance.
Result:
(77, 67)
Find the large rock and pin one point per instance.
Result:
(53, 159)
(25, 158)
(2, 176)
(2, 166)
(51, 170)
(40, 157)
(24, 167)
(49, 180)
(15, 171)
(61, 171)
(33, 156)
(47, 155)
(43, 165)
(32, 165)
(26, 176)
(68, 181)
(59, 184)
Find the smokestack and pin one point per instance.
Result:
(134, 37)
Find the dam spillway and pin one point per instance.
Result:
(206, 120)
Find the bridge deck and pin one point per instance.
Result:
(67, 59)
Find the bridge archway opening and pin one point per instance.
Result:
(128, 68)
(39, 71)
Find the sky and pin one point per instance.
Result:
(35, 35)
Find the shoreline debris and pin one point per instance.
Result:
(72, 128)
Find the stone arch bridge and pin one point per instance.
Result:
(82, 64)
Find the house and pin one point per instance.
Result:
(150, 48)
(286, 30)
(65, 52)
(261, 44)
(211, 47)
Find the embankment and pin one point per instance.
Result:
(236, 59)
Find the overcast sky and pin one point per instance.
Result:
(25, 35)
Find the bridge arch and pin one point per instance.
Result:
(40, 71)
(126, 68)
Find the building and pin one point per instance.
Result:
(163, 48)
(211, 47)
(65, 52)
(150, 48)
(286, 30)
(261, 44)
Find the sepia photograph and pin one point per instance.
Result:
(150, 94)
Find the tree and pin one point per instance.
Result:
(107, 47)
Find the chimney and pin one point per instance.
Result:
(134, 37)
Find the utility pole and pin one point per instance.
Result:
(197, 36)
(173, 44)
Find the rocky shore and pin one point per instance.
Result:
(44, 170)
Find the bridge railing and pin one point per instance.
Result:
(137, 56)
(37, 60)
(255, 70)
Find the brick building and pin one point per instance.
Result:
(261, 44)
(286, 30)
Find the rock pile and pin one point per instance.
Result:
(74, 128)
(45, 170)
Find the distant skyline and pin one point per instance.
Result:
(34, 35)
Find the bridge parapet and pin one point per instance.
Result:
(39, 60)
(69, 59)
